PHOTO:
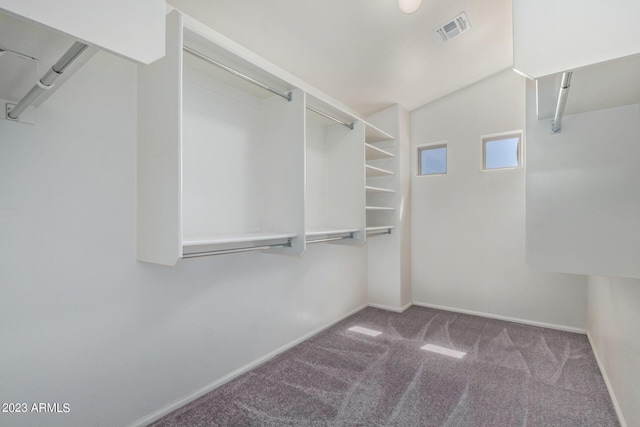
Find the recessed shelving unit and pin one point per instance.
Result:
(220, 159)
(380, 188)
(232, 157)
(28, 51)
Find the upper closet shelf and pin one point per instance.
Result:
(35, 62)
(373, 134)
(585, 94)
(373, 171)
(210, 95)
(132, 29)
(375, 153)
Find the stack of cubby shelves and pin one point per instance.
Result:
(233, 156)
(380, 166)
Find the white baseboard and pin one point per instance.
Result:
(389, 308)
(155, 416)
(616, 406)
(507, 318)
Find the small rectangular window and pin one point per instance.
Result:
(502, 152)
(432, 160)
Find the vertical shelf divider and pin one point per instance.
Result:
(159, 154)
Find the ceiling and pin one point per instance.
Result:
(367, 53)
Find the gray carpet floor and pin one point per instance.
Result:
(499, 374)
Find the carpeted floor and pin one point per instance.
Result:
(492, 373)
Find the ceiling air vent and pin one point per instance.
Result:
(454, 27)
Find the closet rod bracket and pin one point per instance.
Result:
(28, 116)
(8, 109)
(556, 123)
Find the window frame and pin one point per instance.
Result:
(498, 137)
(432, 146)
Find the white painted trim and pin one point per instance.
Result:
(155, 416)
(506, 318)
(389, 308)
(616, 406)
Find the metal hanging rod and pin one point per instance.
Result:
(237, 250)
(562, 101)
(330, 239)
(285, 95)
(46, 82)
(349, 125)
(377, 232)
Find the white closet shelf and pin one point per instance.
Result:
(374, 171)
(237, 238)
(329, 231)
(380, 228)
(371, 189)
(375, 153)
(379, 208)
(332, 235)
(373, 134)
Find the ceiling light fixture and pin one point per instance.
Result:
(409, 6)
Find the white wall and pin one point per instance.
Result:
(81, 322)
(583, 202)
(614, 317)
(468, 243)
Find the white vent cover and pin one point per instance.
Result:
(454, 27)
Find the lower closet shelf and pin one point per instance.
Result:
(233, 243)
(379, 208)
(379, 230)
(328, 235)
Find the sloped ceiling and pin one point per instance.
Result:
(367, 53)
